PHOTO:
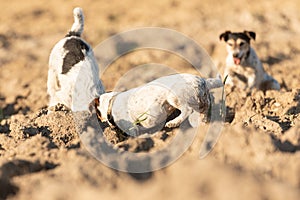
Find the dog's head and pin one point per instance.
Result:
(238, 44)
(105, 106)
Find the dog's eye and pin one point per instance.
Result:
(230, 44)
(242, 43)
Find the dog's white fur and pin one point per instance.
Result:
(243, 63)
(149, 105)
(73, 75)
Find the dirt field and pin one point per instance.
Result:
(256, 157)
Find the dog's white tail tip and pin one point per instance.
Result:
(77, 11)
(78, 24)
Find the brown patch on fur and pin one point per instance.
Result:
(96, 104)
(169, 108)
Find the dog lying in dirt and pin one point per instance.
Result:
(243, 66)
(73, 75)
(148, 106)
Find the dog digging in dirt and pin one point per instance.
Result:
(243, 67)
(73, 75)
(148, 106)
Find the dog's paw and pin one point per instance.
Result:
(172, 124)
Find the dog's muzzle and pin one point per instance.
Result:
(236, 59)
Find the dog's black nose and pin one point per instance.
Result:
(235, 55)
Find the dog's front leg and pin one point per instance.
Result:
(185, 112)
(252, 82)
(229, 76)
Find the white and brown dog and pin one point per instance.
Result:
(243, 66)
(73, 75)
(148, 106)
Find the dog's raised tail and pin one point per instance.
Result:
(214, 82)
(77, 27)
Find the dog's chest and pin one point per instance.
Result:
(240, 75)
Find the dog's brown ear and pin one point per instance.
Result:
(250, 34)
(224, 36)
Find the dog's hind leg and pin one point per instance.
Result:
(185, 112)
(269, 83)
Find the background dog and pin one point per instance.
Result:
(149, 105)
(243, 66)
(73, 75)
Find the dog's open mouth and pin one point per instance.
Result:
(236, 60)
